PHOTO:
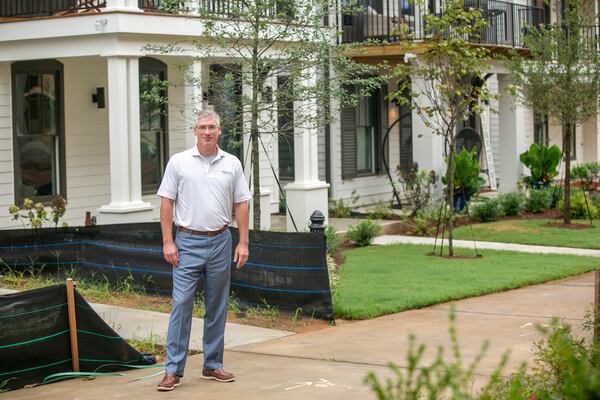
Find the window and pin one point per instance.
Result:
(540, 129)
(366, 126)
(38, 137)
(285, 122)
(363, 128)
(226, 96)
(153, 126)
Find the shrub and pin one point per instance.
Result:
(487, 210)
(594, 198)
(424, 221)
(339, 209)
(381, 211)
(35, 214)
(418, 186)
(588, 175)
(542, 162)
(363, 233)
(580, 207)
(332, 238)
(565, 368)
(512, 203)
(538, 200)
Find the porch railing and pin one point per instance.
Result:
(383, 20)
(40, 8)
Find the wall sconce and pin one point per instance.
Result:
(98, 97)
(100, 24)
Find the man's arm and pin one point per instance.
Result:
(241, 217)
(170, 252)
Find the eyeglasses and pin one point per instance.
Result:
(210, 128)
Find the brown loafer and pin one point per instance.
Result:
(168, 383)
(218, 374)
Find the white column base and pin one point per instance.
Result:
(302, 199)
(265, 210)
(125, 207)
(127, 212)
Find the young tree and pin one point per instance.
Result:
(559, 77)
(278, 53)
(449, 69)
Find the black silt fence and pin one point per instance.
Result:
(35, 341)
(286, 270)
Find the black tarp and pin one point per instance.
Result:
(286, 270)
(35, 341)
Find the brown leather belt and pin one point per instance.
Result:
(203, 233)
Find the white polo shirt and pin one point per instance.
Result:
(204, 191)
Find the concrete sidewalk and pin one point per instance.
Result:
(398, 239)
(332, 363)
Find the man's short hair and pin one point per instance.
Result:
(209, 114)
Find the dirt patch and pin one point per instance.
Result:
(281, 320)
(455, 257)
(569, 226)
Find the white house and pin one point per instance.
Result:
(72, 122)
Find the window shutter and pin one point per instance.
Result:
(406, 153)
(384, 151)
(348, 124)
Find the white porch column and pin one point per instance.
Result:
(428, 147)
(307, 193)
(124, 135)
(122, 5)
(512, 118)
(194, 86)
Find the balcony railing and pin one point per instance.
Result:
(383, 20)
(218, 8)
(41, 8)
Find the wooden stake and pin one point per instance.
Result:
(597, 306)
(72, 325)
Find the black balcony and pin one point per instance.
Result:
(218, 8)
(384, 20)
(42, 8)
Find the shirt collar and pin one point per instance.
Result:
(220, 153)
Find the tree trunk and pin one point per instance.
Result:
(568, 131)
(450, 184)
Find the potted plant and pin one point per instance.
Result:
(466, 178)
(542, 162)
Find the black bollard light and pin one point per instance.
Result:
(317, 222)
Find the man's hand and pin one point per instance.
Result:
(171, 254)
(241, 255)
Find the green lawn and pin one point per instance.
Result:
(533, 232)
(378, 280)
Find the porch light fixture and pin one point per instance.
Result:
(98, 97)
(100, 24)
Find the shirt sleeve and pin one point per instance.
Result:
(241, 192)
(170, 182)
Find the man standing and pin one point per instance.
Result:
(200, 189)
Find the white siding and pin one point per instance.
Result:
(6, 158)
(86, 138)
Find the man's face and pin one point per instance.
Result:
(207, 132)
